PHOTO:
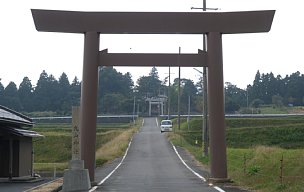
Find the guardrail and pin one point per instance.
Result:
(100, 119)
(98, 116)
(245, 115)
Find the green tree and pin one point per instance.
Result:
(25, 93)
(149, 86)
(117, 85)
(63, 94)
(295, 86)
(75, 92)
(11, 98)
(112, 103)
(46, 93)
(268, 87)
(256, 103)
(231, 105)
(277, 101)
(256, 89)
(111, 81)
(188, 89)
(234, 98)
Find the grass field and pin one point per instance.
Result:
(264, 154)
(54, 150)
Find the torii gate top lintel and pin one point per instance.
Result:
(153, 22)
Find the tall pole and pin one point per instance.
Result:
(188, 119)
(218, 157)
(169, 94)
(247, 98)
(133, 109)
(178, 102)
(88, 106)
(205, 107)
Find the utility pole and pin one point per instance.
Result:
(205, 108)
(178, 102)
(205, 135)
(134, 105)
(169, 100)
(205, 140)
(188, 119)
(247, 98)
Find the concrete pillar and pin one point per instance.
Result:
(162, 107)
(150, 108)
(88, 106)
(218, 157)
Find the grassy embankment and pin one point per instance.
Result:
(263, 154)
(54, 151)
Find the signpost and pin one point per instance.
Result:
(75, 134)
(76, 178)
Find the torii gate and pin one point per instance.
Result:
(214, 24)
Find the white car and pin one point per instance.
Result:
(166, 125)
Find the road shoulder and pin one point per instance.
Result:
(204, 171)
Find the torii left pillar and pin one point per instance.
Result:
(88, 105)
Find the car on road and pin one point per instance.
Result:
(166, 125)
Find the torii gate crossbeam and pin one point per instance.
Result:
(153, 59)
(214, 24)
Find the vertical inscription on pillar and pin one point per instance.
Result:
(75, 134)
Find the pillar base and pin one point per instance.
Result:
(76, 178)
(219, 180)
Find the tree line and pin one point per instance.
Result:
(117, 93)
(266, 89)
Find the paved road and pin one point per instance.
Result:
(20, 187)
(152, 165)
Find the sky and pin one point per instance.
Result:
(27, 52)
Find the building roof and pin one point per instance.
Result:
(18, 132)
(11, 117)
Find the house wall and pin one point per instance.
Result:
(25, 157)
(22, 156)
(16, 150)
(4, 157)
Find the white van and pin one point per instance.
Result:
(166, 125)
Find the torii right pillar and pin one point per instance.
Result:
(218, 157)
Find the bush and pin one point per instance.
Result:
(253, 170)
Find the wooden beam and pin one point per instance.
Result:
(153, 59)
(153, 22)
